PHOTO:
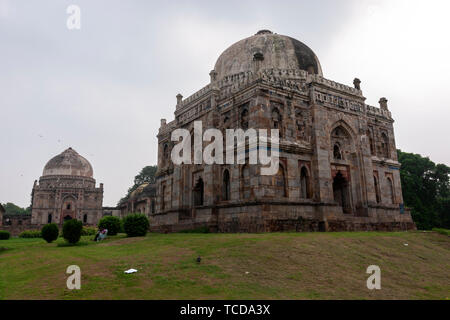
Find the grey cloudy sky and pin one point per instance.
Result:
(103, 89)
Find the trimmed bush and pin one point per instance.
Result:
(197, 230)
(122, 230)
(30, 234)
(4, 235)
(442, 231)
(111, 223)
(88, 231)
(136, 225)
(50, 232)
(72, 230)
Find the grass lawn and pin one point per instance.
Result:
(233, 266)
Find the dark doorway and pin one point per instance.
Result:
(226, 185)
(341, 192)
(67, 218)
(304, 184)
(198, 193)
(322, 227)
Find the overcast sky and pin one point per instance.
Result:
(103, 89)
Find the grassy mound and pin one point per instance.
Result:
(414, 265)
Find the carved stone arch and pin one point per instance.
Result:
(244, 117)
(305, 182)
(348, 128)
(280, 181)
(342, 140)
(68, 207)
(70, 198)
(276, 117)
(199, 192)
(226, 184)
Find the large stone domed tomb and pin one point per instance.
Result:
(338, 162)
(67, 190)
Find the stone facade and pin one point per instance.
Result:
(338, 160)
(17, 223)
(67, 190)
(112, 211)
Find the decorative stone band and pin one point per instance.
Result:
(378, 112)
(289, 79)
(335, 85)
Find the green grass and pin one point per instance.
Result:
(442, 231)
(233, 266)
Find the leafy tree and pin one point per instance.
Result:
(11, 208)
(147, 174)
(426, 189)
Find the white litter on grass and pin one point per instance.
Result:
(406, 244)
(246, 272)
(131, 271)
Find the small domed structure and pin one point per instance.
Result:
(267, 50)
(68, 163)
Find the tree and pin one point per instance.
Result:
(426, 189)
(11, 208)
(147, 174)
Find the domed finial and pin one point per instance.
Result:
(179, 98)
(265, 31)
(383, 103)
(357, 84)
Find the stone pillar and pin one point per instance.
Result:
(383, 103)
(179, 100)
(357, 84)
(321, 169)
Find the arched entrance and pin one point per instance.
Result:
(341, 192)
(68, 209)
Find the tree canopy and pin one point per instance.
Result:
(147, 174)
(426, 189)
(11, 208)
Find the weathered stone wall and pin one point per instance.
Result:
(16, 224)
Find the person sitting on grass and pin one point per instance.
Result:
(102, 235)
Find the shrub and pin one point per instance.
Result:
(4, 235)
(88, 231)
(50, 232)
(136, 225)
(111, 223)
(122, 230)
(442, 231)
(197, 230)
(30, 234)
(72, 230)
